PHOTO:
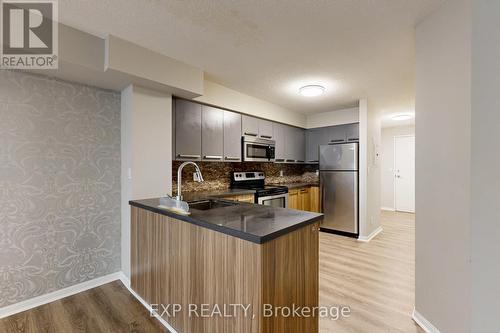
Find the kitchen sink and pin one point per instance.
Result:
(209, 204)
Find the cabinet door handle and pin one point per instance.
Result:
(250, 133)
(266, 136)
(291, 161)
(353, 139)
(188, 156)
(337, 140)
(279, 160)
(212, 157)
(313, 161)
(231, 158)
(300, 161)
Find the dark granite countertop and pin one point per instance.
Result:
(254, 223)
(200, 195)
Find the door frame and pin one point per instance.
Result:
(394, 166)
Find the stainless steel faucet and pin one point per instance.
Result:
(179, 177)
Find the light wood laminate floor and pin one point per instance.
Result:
(376, 279)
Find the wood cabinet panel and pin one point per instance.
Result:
(293, 199)
(315, 199)
(175, 262)
(305, 199)
(300, 280)
(249, 198)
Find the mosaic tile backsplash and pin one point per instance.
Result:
(217, 174)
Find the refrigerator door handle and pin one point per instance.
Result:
(356, 204)
(321, 186)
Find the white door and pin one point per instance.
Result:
(404, 173)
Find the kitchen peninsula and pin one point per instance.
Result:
(227, 253)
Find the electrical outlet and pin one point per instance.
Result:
(196, 178)
(281, 173)
(317, 172)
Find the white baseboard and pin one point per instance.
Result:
(125, 280)
(368, 238)
(424, 323)
(162, 321)
(72, 290)
(389, 209)
(58, 294)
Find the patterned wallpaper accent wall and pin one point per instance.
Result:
(59, 184)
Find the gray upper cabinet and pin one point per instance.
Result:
(328, 135)
(290, 142)
(212, 133)
(352, 132)
(266, 129)
(313, 140)
(187, 130)
(300, 145)
(232, 136)
(336, 134)
(279, 137)
(249, 126)
(257, 127)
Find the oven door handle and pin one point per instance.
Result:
(260, 200)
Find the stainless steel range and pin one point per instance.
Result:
(275, 196)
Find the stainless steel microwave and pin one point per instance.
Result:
(258, 149)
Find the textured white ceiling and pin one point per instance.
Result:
(268, 49)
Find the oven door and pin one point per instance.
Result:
(280, 200)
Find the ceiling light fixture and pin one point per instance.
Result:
(400, 117)
(312, 90)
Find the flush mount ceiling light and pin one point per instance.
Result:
(400, 117)
(312, 90)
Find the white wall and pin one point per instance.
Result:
(146, 151)
(363, 166)
(332, 118)
(219, 95)
(485, 221)
(373, 150)
(369, 169)
(443, 111)
(387, 172)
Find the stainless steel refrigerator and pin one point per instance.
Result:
(338, 165)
